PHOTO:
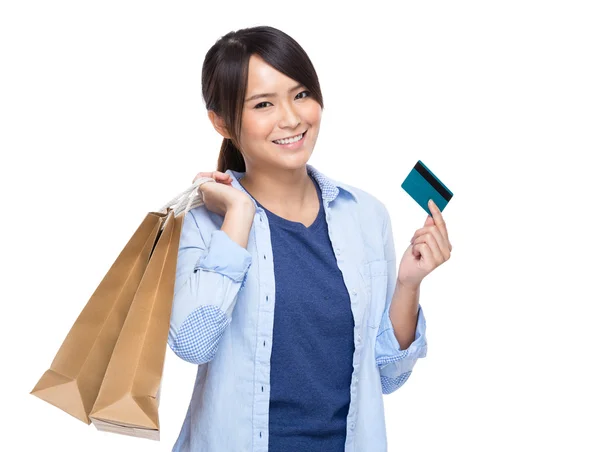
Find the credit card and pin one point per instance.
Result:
(422, 185)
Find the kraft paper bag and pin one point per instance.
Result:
(74, 378)
(129, 396)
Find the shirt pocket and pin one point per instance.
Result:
(375, 276)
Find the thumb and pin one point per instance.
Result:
(429, 221)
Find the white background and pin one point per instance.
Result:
(102, 120)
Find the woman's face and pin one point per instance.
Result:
(287, 111)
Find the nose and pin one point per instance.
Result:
(290, 119)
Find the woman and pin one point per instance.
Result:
(286, 293)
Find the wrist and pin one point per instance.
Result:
(408, 286)
(242, 207)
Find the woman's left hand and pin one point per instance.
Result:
(429, 248)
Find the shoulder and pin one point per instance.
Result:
(371, 218)
(367, 203)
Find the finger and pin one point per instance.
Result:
(417, 233)
(415, 249)
(438, 218)
(222, 177)
(218, 176)
(423, 250)
(441, 241)
(436, 252)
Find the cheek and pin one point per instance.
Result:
(313, 114)
(255, 128)
(247, 133)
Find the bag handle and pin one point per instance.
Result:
(191, 195)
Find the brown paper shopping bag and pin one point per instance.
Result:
(73, 380)
(129, 396)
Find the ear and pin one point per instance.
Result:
(218, 123)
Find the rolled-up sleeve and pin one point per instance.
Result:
(396, 365)
(211, 269)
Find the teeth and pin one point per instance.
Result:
(289, 140)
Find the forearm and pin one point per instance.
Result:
(404, 310)
(211, 268)
(238, 223)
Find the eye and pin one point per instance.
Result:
(304, 92)
(258, 106)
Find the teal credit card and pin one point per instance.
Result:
(422, 185)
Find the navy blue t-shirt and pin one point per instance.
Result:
(313, 342)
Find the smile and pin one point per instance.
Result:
(290, 140)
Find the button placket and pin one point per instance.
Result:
(261, 400)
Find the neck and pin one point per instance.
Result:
(283, 189)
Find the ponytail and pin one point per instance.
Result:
(230, 158)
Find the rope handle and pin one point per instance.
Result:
(191, 195)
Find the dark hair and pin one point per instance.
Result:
(225, 76)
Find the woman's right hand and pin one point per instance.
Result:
(220, 197)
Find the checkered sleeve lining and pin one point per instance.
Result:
(396, 365)
(389, 384)
(198, 337)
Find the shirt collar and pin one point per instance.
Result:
(330, 189)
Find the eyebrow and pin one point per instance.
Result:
(257, 96)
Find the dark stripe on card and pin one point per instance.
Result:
(433, 181)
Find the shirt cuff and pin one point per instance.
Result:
(388, 349)
(225, 256)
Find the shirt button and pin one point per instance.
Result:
(352, 425)
(337, 251)
(353, 292)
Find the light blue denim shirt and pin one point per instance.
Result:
(222, 320)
